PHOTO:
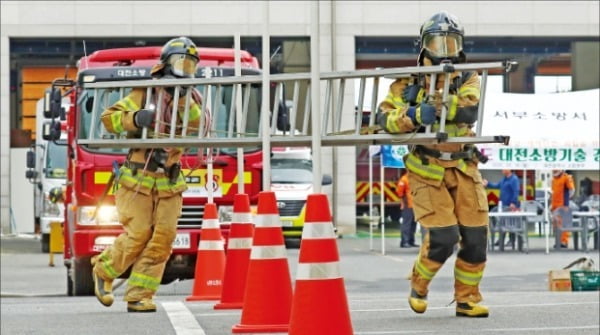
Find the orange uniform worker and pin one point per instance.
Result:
(563, 189)
(449, 197)
(148, 199)
(409, 225)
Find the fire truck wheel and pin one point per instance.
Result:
(81, 274)
(45, 243)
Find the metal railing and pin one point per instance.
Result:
(336, 112)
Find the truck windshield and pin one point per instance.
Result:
(291, 171)
(220, 111)
(220, 115)
(56, 160)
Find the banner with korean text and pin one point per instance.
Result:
(508, 157)
(547, 131)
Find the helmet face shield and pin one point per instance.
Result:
(182, 65)
(443, 45)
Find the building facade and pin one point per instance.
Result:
(342, 24)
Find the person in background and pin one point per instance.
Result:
(509, 194)
(409, 225)
(563, 189)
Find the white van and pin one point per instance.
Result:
(291, 180)
(47, 167)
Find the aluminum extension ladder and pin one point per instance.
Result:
(340, 127)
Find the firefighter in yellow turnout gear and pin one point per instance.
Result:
(448, 194)
(150, 183)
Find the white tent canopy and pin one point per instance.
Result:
(547, 131)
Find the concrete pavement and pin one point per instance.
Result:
(515, 287)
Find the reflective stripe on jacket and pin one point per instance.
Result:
(397, 121)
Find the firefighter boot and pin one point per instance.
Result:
(144, 305)
(471, 309)
(418, 303)
(103, 290)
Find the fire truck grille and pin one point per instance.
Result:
(191, 217)
(290, 207)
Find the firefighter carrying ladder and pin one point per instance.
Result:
(338, 122)
(338, 126)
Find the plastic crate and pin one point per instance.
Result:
(585, 280)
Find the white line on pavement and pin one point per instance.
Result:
(183, 321)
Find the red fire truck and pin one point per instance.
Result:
(390, 179)
(91, 221)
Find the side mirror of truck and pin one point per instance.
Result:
(30, 159)
(51, 131)
(31, 174)
(52, 104)
(63, 114)
(326, 180)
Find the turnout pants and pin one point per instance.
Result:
(150, 225)
(453, 210)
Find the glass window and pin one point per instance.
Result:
(219, 112)
(106, 98)
(291, 171)
(56, 159)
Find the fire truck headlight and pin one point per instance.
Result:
(106, 215)
(89, 78)
(225, 213)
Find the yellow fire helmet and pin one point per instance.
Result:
(56, 194)
(179, 57)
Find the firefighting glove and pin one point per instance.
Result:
(413, 94)
(143, 118)
(423, 114)
(466, 114)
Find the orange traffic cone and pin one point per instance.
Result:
(268, 294)
(238, 254)
(319, 305)
(210, 261)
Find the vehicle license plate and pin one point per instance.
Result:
(182, 241)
